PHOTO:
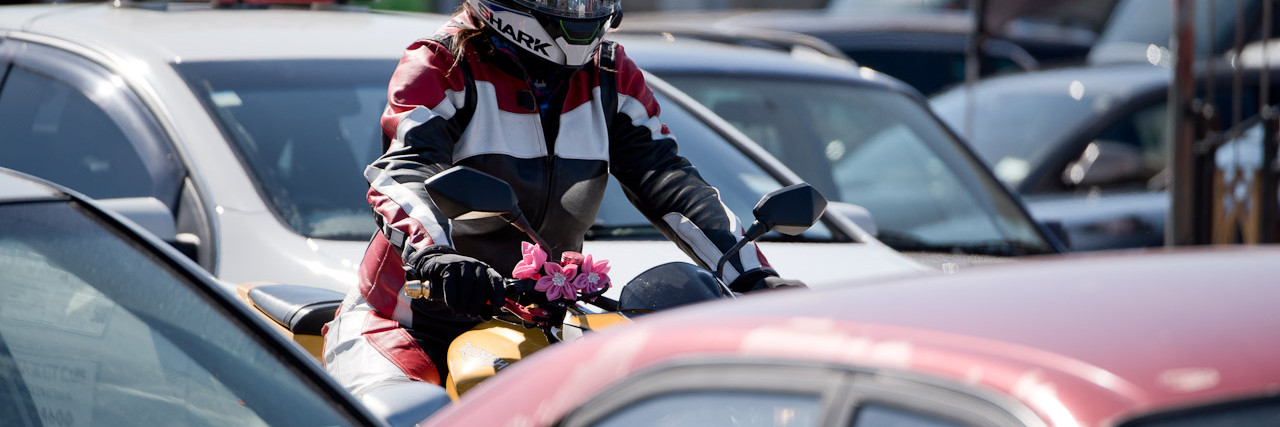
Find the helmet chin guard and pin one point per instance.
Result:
(566, 34)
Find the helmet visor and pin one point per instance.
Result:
(573, 8)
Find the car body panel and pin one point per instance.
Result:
(1082, 340)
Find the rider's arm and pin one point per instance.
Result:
(419, 127)
(666, 187)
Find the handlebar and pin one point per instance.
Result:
(537, 310)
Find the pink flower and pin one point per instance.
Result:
(593, 276)
(530, 266)
(558, 283)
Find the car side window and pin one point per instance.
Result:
(1129, 154)
(121, 337)
(721, 408)
(56, 132)
(878, 415)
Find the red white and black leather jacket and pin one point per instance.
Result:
(477, 111)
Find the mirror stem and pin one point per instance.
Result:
(754, 232)
(517, 219)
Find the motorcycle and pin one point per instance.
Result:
(529, 321)
(534, 317)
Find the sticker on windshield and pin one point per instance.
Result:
(226, 99)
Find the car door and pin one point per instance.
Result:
(78, 123)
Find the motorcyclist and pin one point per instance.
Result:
(527, 91)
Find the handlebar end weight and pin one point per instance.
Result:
(417, 289)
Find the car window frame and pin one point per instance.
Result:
(1044, 181)
(842, 390)
(693, 376)
(126, 110)
(303, 365)
(188, 206)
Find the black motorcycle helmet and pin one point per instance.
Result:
(564, 32)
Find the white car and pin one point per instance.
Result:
(240, 136)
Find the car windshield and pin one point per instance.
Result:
(97, 329)
(306, 129)
(1015, 125)
(740, 180)
(879, 149)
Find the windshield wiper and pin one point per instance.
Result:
(904, 242)
(623, 232)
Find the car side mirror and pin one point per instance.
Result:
(404, 404)
(1104, 163)
(152, 215)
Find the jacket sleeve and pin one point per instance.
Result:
(665, 187)
(419, 131)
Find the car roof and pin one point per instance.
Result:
(197, 32)
(1086, 339)
(675, 53)
(1122, 80)
(19, 187)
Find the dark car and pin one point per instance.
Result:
(927, 52)
(1130, 340)
(1087, 146)
(1140, 30)
(101, 323)
(859, 137)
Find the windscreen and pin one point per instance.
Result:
(306, 129)
(879, 149)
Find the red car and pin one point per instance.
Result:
(1151, 339)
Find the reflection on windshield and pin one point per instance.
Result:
(740, 180)
(306, 130)
(878, 149)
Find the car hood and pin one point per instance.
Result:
(817, 264)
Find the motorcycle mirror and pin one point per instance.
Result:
(465, 193)
(789, 210)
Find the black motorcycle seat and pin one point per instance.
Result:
(300, 309)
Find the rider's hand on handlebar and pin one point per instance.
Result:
(763, 280)
(467, 286)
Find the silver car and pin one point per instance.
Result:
(246, 131)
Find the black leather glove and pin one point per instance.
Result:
(763, 280)
(468, 286)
